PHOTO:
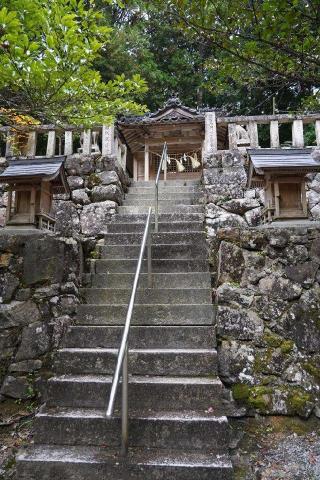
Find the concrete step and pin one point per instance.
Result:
(54, 462)
(88, 336)
(159, 265)
(102, 361)
(163, 203)
(148, 296)
(162, 227)
(164, 195)
(157, 251)
(180, 238)
(155, 394)
(163, 217)
(160, 280)
(166, 183)
(160, 314)
(164, 431)
(165, 189)
(170, 208)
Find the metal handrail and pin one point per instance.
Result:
(156, 206)
(122, 359)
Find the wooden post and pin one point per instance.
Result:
(277, 199)
(32, 144)
(135, 168)
(33, 205)
(317, 129)
(304, 198)
(211, 140)
(297, 134)
(9, 205)
(107, 140)
(51, 144)
(253, 134)
(274, 134)
(146, 161)
(232, 134)
(68, 142)
(87, 142)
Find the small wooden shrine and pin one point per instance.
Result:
(31, 185)
(183, 129)
(282, 175)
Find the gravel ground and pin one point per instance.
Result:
(277, 448)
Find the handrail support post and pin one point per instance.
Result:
(156, 209)
(149, 253)
(124, 410)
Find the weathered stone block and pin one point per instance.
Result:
(231, 263)
(35, 341)
(78, 165)
(302, 273)
(44, 260)
(18, 314)
(67, 218)
(235, 362)
(238, 324)
(107, 192)
(80, 197)
(240, 206)
(26, 366)
(8, 286)
(95, 215)
(108, 178)
(15, 387)
(278, 287)
(75, 182)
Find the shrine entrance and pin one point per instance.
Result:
(180, 127)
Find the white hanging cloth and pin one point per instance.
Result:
(194, 160)
(180, 167)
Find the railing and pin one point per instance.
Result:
(123, 353)
(54, 140)
(156, 203)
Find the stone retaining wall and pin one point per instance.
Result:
(39, 291)
(267, 294)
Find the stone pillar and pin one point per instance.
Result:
(107, 140)
(87, 142)
(135, 169)
(232, 134)
(51, 144)
(146, 161)
(9, 144)
(253, 134)
(274, 134)
(317, 129)
(211, 140)
(68, 142)
(297, 134)
(31, 144)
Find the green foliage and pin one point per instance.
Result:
(271, 44)
(46, 55)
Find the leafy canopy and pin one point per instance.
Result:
(266, 42)
(47, 50)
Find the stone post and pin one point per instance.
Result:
(253, 134)
(87, 142)
(68, 142)
(31, 144)
(232, 133)
(146, 161)
(51, 144)
(297, 134)
(107, 140)
(211, 140)
(274, 134)
(9, 144)
(317, 129)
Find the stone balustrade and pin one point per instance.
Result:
(97, 140)
(243, 130)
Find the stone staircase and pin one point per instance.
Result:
(177, 429)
